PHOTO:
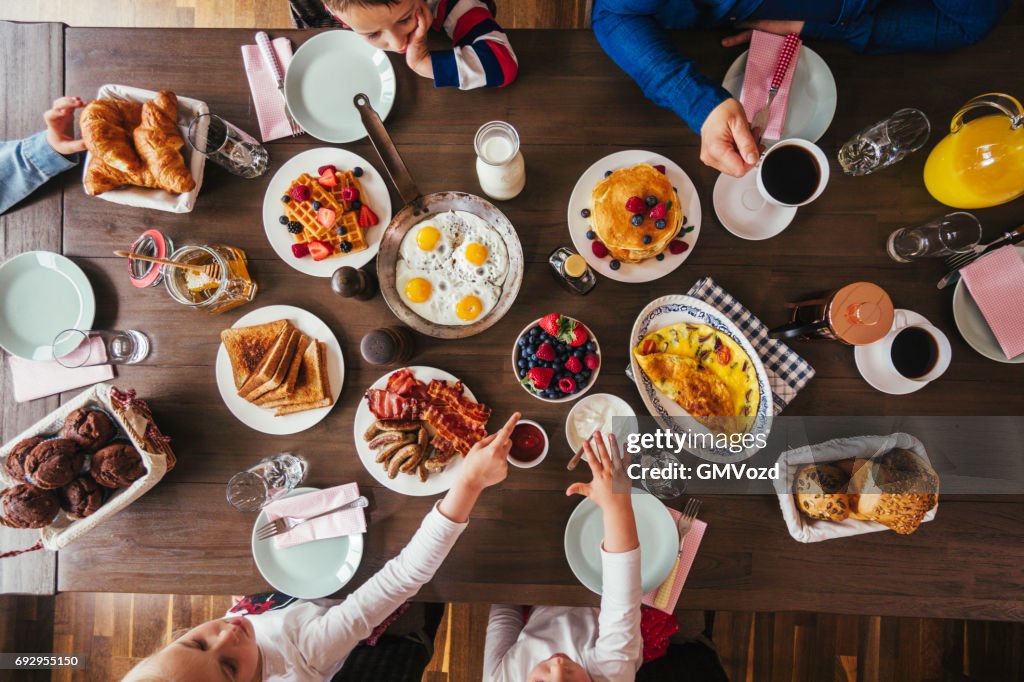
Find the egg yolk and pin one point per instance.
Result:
(469, 308)
(427, 237)
(418, 290)
(476, 253)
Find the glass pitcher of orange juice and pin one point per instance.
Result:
(981, 162)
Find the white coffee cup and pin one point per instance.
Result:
(944, 353)
(813, 150)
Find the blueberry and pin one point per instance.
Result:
(607, 173)
(283, 220)
(637, 219)
(531, 349)
(591, 234)
(531, 363)
(316, 205)
(342, 229)
(660, 223)
(345, 246)
(585, 213)
(580, 379)
(651, 200)
(562, 346)
(356, 205)
(536, 331)
(521, 363)
(285, 198)
(522, 373)
(357, 171)
(522, 341)
(684, 220)
(615, 265)
(647, 239)
(586, 373)
(591, 346)
(578, 353)
(660, 256)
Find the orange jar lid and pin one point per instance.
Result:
(860, 313)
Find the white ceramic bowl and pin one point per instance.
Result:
(547, 445)
(621, 409)
(563, 399)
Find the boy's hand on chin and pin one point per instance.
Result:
(417, 55)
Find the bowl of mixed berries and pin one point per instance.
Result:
(556, 358)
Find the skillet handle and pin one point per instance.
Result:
(385, 147)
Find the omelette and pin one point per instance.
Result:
(705, 372)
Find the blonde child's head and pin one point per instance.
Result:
(222, 650)
(558, 668)
(385, 24)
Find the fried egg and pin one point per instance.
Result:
(426, 292)
(472, 301)
(429, 244)
(481, 254)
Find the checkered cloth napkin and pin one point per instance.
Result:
(268, 101)
(761, 62)
(993, 280)
(666, 596)
(787, 372)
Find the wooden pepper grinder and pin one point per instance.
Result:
(350, 282)
(388, 346)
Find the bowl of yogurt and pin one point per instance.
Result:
(602, 412)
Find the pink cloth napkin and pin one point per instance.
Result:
(993, 280)
(761, 63)
(270, 109)
(347, 522)
(691, 543)
(33, 379)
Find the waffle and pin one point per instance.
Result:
(312, 229)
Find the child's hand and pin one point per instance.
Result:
(60, 126)
(606, 465)
(417, 55)
(487, 463)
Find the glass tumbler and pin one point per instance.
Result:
(884, 143)
(951, 234)
(270, 478)
(662, 488)
(85, 348)
(228, 145)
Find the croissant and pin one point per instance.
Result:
(106, 128)
(100, 177)
(158, 143)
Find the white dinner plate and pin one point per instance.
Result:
(308, 162)
(406, 484)
(263, 419)
(325, 75)
(652, 268)
(311, 570)
(972, 324)
(812, 99)
(659, 542)
(42, 294)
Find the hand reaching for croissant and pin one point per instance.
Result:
(60, 125)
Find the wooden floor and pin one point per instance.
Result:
(114, 631)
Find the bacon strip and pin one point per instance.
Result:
(386, 405)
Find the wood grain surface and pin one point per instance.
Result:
(572, 106)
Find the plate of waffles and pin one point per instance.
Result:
(634, 216)
(325, 208)
(413, 427)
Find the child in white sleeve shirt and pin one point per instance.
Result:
(310, 640)
(573, 644)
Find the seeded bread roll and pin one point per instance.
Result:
(821, 492)
(896, 489)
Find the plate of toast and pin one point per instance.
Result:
(279, 369)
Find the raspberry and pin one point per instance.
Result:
(567, 385)
(574, 364)
(658, 212)
(592, 361)
(599, 249)
(300, 193)
(635, 205)
(677, 247)
(660, 168)
(300, 250)
(546, 352)
(349, 193)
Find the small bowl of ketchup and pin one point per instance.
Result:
(529, 444)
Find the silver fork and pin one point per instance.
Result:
(685, 521)
(286, 523)
(760, 121)
(958, 260)
(270, 59)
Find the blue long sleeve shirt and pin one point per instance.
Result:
(25, 165)
(634, 33)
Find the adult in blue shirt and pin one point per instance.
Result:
(633, 33)
(27, 164)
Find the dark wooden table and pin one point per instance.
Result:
(571, 106)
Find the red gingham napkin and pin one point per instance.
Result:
(691, 543)
(269, 103)
(993, 280)
(761, 63)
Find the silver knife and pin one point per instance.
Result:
(953, 276)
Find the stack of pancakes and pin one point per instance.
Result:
(611, 219)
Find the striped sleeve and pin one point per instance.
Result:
(481, 55)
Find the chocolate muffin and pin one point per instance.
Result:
(15, 462)
(117, 465)
(91, 429)
(53, 463)
(23, 506)
(81, 497)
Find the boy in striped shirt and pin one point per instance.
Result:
(480, 55)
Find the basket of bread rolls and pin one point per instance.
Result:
(850, 486)
(137, 150)
(79, 465)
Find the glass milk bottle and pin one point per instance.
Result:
(499, 164)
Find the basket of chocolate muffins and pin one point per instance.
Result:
(82, 463)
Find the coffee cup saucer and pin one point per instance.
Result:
(744, 212)
(876, 368)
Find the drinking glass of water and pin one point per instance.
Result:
(85, 348)
(272, 477)
(886, 142)
(662, 488)
(228, 146)
(951, 234)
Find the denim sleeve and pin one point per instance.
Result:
(921, 25)
(633, 37)
(27, 164)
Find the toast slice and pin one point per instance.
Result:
(248, 346)
(313, 389)
(287, 387)
(274, 367)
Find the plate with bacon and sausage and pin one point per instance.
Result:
(414, 426)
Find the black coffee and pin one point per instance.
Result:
(790, 174)
(914, 352)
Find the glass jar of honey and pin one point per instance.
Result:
(220, 283)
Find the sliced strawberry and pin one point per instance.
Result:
(598, 249)
(677, 247)
(551, 323)
(546, 352)
(367, 218)
(300, 193)
(660, 169)
(659, 211)
(635, 205)
(574, 364)
(326, 217)
(319, 249)
(538, 379)
(300, 249)
(349, 193)
(322, 169)
(328, 178)
(592, 361)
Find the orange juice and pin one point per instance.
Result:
(980, 165)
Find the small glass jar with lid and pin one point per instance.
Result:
(228, 286)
